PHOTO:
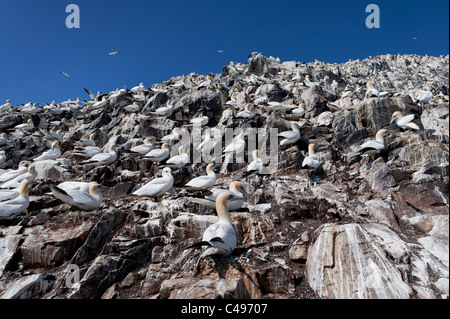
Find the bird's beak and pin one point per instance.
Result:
(101, 187)
(392, 120)
(243, 191)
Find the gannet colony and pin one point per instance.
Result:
(269, 180)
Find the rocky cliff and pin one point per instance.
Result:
(358, 226)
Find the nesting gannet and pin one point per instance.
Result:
(80, 198)
(5, 107)
(164, 110)
(101, 103)
(2, 157)
(424, 96)
(17, 205)
(297, 77)
(290, 137)
(88, 151)
(257, 164)
(277, 106)
(158, 155)
(235, 147)
(3, 138)
(25, 126)
(334, 85)
(88, 142)
(335, 106)
(236, 188)
(103, 158)
(138, 89)
(371, 90)
(404, 122)
(246, 113)
(7, 194)
(157, 186)
(207, 144)
(219, 238)
(53, 153)
(202, 120)
(374, 146)
(203, 182)
(312, 160)
(174, 136)
(143, 148)
(52, 135)
(132, 107)
(22, 169)
(179, 160)
(29, 176)
(140, 97)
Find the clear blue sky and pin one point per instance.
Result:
(161, 39)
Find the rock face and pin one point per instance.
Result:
(360, 226)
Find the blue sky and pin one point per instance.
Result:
(160, 39)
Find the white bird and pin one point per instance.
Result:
(22, 169)
(203, 182)
(5, 107)
(7, 194)
(246, 113)
(113, 53)
(29, 176)
(25, 126)
(257, 164)
(207, 144)
(66, 75)
(80, 198)
(158, 155)
(88, 151)
(143, 148)
(29, 110)
(236, 188)
(2, 157)
(202, 120)
(157, 186)
(138, 89)
(103, 158)
(235, 147)
(374, 146)
(334, 85)
(299, 110)
(404, 122)
(174, 136)
(51, 135)
(17, 205)
(424, 96)
(164, 110)
(277, 106)
(371, 90)
(78, 186)
(88, 141)
(179, 160)
(297, 77)
(219, 238)
(101, 103)
(290, 137)
(132, 107)
(312, 160)
(3, 138)
(52, 154)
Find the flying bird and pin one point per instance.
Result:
(66, 75)
(113, 53)
(220, 51)
(414, 38)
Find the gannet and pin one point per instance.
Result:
(297, 77)
(404, 122)
(3, 138)
(112, 53)
(219, 238)
(88, 151)
(371, 91)
(53, 153)
(52, 135)
(236, 188)
(5, 107)
(179, 160)
(203, 182)
(103, 158)
(334, 85)
(2, 157)
(88, 142)
(143, 148)
(174, 136)
(335, 106)
(424, 96)
(164, 110)
(80, 198)
(277, 106)
(202, 120)
(290, 137)
(138, 89)
(140, 97)
(17, 205)
(312, 160)
(235, 147)
(246, 113)
(66, 75)
(7, 194)
(374, 146)
(22, 169)
(207, 144)
(158, 155)
(256, 164)
(25, 126)
(101, 103)
(157, 186)
(29, 176)
(132, 107)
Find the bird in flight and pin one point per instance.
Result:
(65, 74)
(220, 51)
(113, 53)
(414, 38)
